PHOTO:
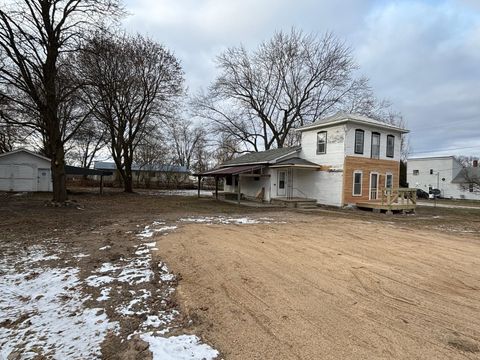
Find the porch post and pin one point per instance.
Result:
(199, 184)
(216, 187)
(101, 184)
(239, 193)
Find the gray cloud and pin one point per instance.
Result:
(422, 55)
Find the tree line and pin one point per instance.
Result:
(73, 84)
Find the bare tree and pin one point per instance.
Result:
(188, 142)
(133, 82)
(291, 80)
(89, 139)
(36, 37)
(470, 173)
(151, 153)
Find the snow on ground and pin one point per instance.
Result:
(43, 309)
(228, 220)
(183, 347)
(190, 192)
(138, 270)
(43, 313)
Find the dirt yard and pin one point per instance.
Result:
(136, 271)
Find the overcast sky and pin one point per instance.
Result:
(422, 55)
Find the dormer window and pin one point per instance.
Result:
(359, 141)
(390, 146)
(375, 151)
(322, 142)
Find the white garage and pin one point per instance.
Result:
(23, 170)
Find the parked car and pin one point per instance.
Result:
(422, 194)
(434, 193)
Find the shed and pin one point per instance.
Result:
(24, 170)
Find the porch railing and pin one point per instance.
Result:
(399, 196)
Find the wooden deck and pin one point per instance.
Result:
(392, 200)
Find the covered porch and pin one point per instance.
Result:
(234, 176)
(289, 193)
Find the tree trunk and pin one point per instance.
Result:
(128, 180)
(58, 175)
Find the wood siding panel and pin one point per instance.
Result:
(367, 166)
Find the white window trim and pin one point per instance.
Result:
(386, 176)
(324, 144)
(370, 184)
(361, 183)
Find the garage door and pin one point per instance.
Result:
(17, 178)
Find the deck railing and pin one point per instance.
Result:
(399, 196)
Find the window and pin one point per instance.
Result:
(375, 153)
(470, 188)
(228, 180)
(390, 145)
(357, 183)
(416, 172)
(322, 142)
(431, 171)
(359, 137)
(388, 181)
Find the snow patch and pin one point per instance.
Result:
(47, 316)
(183, 347)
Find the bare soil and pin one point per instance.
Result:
(324, 284)
(329, 288)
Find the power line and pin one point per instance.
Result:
(442, 150)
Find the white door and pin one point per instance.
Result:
(44, 180)
(17, 178)
(373, 186)
(282, 183)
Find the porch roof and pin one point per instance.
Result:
(297, 163)
(232, 170)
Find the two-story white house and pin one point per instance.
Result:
(445, 173)
(343, 159)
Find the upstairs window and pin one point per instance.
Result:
(359, 140)
(375, 153)
(322, 142)
(416, 172)
(390, 146)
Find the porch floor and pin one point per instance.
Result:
(377, 205)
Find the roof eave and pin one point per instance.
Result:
(345, 120)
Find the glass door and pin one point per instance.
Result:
(281, 188)
(373, 186)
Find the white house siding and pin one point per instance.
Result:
(323, 186)
(447, 167)
(335, 146)
(22, 171)
(367, 145)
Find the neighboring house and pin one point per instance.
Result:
(156, 175)
(343, 159)
(24, 170)
(445, 173)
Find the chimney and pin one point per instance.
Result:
(475, 163)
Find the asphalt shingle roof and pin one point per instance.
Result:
(261, 157)
(104, 165)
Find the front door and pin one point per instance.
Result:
(282, 180)
(373, 186)
(44, 179)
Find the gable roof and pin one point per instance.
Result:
(466, 175)
(341, 117)
(107, 165)
(25, 151)
(262, 157)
